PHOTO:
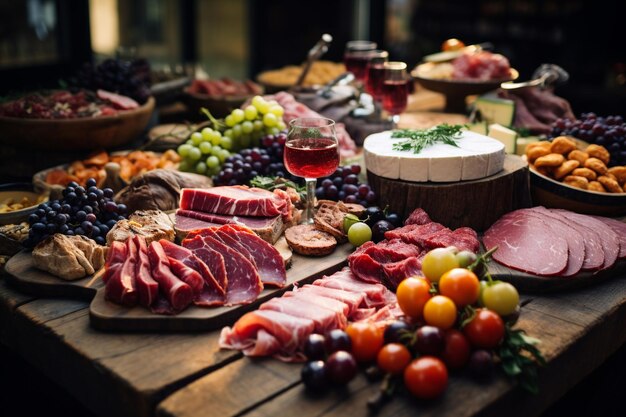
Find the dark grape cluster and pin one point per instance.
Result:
(329, 360)
(609, 131)
(265, 160)
(87, 211)
(344, 185)
(128, 78)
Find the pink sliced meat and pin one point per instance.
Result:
(352, 299)
(121, 287)
(326, 302)
(390, 312)
(235, 200)
(392, 251)
(366, 268)
(176, 292)
(620, 229)
(376, 295)
(187, 275)
(226, 240)
(269, 262)
(119, 101)
(268, 333)
(212, 258)
(575, 240)
(244, 283)
(147, 287)
(418, 216)
(116, 256)
(608, 238)
(396, 272)
(526, 244)
(462, 238)
(325, 319)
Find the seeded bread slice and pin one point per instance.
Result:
(307, 240)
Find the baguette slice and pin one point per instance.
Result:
(307, 240)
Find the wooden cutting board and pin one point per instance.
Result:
(108, 316)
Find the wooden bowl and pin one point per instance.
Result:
(16, 195)
(88, 133)
(553, 194)
(456, 90)
(218, 106)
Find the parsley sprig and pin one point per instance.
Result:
(418, 139)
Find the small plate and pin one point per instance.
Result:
(18, 216)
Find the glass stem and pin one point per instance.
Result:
(310, 199)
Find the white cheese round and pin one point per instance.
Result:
(477, 156)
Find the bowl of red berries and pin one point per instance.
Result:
(73, 120)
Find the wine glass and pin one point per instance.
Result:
(312, 152)
(395, 90)
(355, 57)
(375, 73)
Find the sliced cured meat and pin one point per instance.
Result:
(376, 295)
(419, 234)
(268, 333)
(462, 238)
(267, 228)
(392, 251)
(115, 259)
(418, 216)
(607, 237)
(366, 268)
(187, 275)
(212, 258)
(526, 244)
(147, 287)
(395, 272)
(326, 302)
(187, 257)
(325, 319)
(236, 200)
(399, 231)
(620, 229)
(269, 262)
(176, 292)
(575, 240)
(387, 313)
(352, 299)
(121, 287)
(244, 283)
(228, 241)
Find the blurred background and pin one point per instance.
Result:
(42, 41)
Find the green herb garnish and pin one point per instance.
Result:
(418, 139)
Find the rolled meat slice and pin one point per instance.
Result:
(121, 286)
(176, 292)
(147, 287)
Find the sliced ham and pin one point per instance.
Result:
(526, 244)
(236, 200)
(330, 303)
(620, 229)
(177, 293)
(268, 333)
(376, 294)
(147, 287)
(324, 318)
(352, 299)
(121, 287)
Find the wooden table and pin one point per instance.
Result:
(188, 375)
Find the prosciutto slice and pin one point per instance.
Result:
(177, 293)
(115, 259)
(235, 200)
(121, 286)
(325, 319)
(352, 299)
(376, 295)
(186, 274)
(147, 287)
(268, 333)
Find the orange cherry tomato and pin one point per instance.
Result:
(457, 349)
(426, 377)
(461, 285)
(486, 329)
(440, 311)
(393, 358)
(412, 293)
(367, 339)
(452, 44)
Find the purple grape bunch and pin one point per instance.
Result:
(84, 211)
(609, 131)
(344, 185)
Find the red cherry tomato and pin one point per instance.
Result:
(461, 285)
(412, 293)
(486, 329)
(426, 377)
(367, 339)
(457, 349)
(393, 358)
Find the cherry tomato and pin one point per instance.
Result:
(502, 298)
(426, 377)
(412, 293)
(452, 44)
(457, 350)
(461, 285)
(438, 261)
(486, 329)
(367, 339)
(393, 358)
(440, 311)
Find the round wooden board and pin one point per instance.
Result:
(23, 274)
(107, 316)
(476, 204)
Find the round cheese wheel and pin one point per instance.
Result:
(476, 156)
